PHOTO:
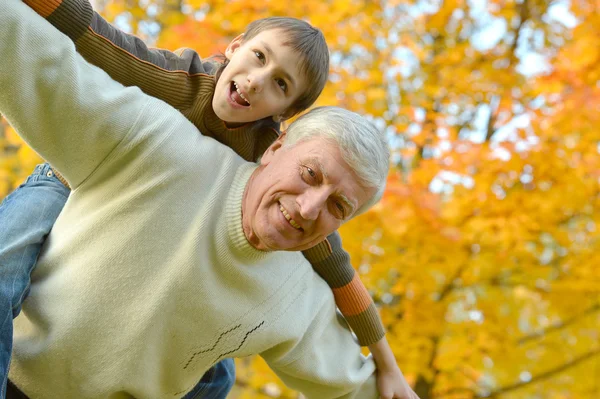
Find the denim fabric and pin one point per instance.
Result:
(216, 382)
(26, 217)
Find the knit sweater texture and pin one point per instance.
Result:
(147, 279)
(185, 81)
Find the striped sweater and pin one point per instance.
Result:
(185, 82)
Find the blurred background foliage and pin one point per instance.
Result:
(482, 256)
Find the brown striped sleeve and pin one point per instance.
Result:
(179, 78)
(173, 77)
(332, 263)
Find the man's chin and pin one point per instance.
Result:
(277, 241)
(284, 246)
(295, 247)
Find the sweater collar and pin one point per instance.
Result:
(233, 211)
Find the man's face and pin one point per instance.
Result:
(262, 79)
(300, 195)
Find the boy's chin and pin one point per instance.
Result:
(228, 115)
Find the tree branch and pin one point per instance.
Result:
(559, 325)
(523, 17)
(448, 288)
(508, 388)
(424, 387)
(494, 103)
(542, 376)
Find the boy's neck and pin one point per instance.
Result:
(233, 125)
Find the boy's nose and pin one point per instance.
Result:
(256, 82)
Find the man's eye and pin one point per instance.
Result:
(308, 175)
(340, 208)
(259, 55)
(282, 84)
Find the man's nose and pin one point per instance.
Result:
(312, 202)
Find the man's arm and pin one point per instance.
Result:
(72, 113)
(173, 78)
(326, 362)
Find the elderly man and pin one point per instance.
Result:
(164, 260)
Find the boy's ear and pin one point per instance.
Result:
(233, 46)
(273, 148)
(287, 114)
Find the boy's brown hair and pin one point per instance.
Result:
(310, 43)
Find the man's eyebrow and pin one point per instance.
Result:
(286, 75)
(315, 161)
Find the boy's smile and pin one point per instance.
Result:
(237, 96)
(262, 79)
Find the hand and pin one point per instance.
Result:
(390, 380)
(392, 384)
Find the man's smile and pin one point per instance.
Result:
(289, 218)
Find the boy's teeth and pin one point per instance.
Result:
(240, 93)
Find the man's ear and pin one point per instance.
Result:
(233, 46)
(273, 148)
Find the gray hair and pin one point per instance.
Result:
(362, 145)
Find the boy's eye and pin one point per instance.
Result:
(282, 84)
(311, 172)
(259, 55)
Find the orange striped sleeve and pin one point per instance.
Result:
(352, 298)
(43, 7)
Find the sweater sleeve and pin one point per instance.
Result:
(172, 77)
(332, 263)
(70, 112)
(327, 362)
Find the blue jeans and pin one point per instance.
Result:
(216, 382)
(26, 217)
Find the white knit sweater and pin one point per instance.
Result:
(147, 279)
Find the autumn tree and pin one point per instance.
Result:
(482, 254)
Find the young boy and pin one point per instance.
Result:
(256, 87)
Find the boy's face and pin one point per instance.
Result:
(261, 80)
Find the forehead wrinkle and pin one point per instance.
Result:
(271, 53)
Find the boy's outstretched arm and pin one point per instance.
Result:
(173, 78)
(180, 79)
(55, 100)
(332, 263)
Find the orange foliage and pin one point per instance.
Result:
(483, 253)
